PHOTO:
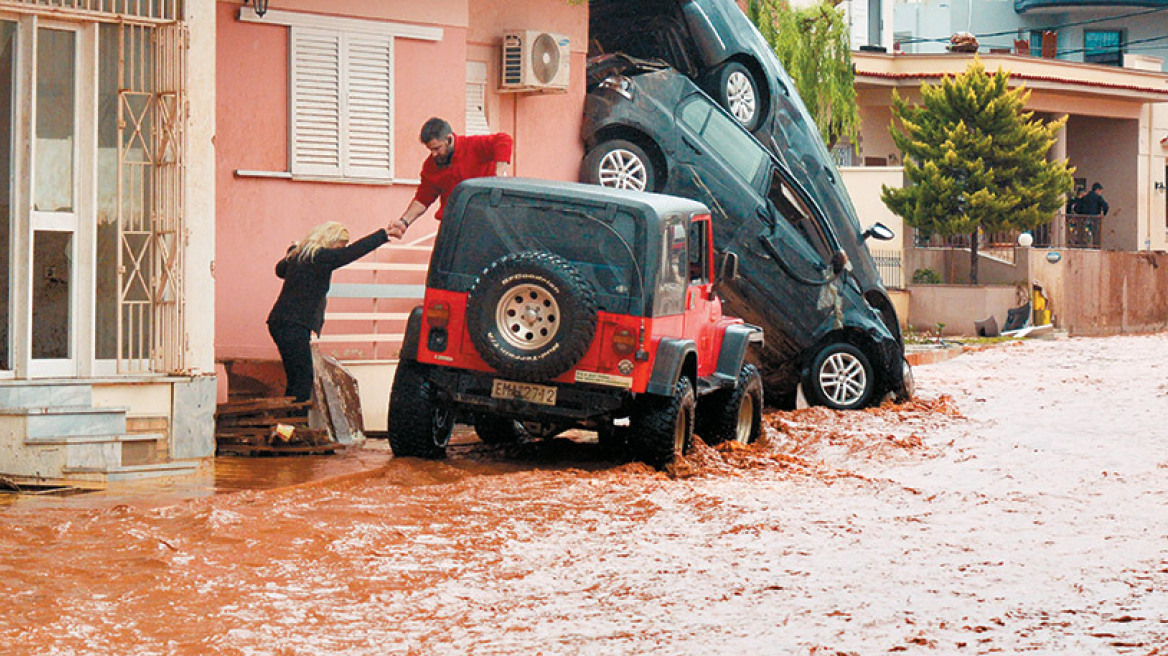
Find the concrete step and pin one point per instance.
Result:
(69, 421)
(131, 472)
(26, 394)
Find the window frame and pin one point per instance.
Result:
(1109, 56)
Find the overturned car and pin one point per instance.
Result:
(830, 323)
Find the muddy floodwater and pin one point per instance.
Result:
(1019, 506)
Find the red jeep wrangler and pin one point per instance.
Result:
(551, 306)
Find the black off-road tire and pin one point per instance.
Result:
(734, 414)
(419, 425)
(620, 164)
(662, 427)
(840, 378)
(531, 316)
(493, 429)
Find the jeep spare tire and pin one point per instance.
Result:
(531, 315)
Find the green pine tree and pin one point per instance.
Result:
(814, 45)
(974, 160)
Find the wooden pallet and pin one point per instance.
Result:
(249, 428)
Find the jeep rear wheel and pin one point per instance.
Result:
(531, 316)
(662, 428)
(733, 414)
(418, 425)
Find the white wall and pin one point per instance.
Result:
(200, 189)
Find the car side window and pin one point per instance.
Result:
(698, 266)
(792, 208)
(724, 136)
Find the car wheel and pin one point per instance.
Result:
(738, 93)
(497, 430)
(531, 316)
(840, 378)
(908, 385)
(620, 164)
(419, 425)
(733, 414)
(662, 428)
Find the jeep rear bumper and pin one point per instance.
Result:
(471, 390)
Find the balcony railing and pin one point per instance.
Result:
(890, 265)
(1063, 231)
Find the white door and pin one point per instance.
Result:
(55, 182)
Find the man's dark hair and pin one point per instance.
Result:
(435, 128)
(1096, 187)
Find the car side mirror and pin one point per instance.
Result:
(879, 231)
(727, 266)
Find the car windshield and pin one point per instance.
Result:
(601, 243)
(726, 137)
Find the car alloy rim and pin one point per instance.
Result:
(740, 96)
(527, 317)
(843, 379)
(745, 420)
(679, 433)
(622, 169)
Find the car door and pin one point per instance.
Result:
(719, 164)
(702, 307)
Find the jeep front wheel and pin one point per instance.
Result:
(662, 428)
(531, 316)
(418, 425)
(733, 414)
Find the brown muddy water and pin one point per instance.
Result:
(541, 548)
(956, 525)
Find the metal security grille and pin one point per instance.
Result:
(151, 115)
(153, 10)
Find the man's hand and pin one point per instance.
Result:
(397, 229)
(501, 168)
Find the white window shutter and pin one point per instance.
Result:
(368, 133)
(476, 99)
(316, 102)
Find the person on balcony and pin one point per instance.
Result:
(1093, 203)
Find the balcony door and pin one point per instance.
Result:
(53, 274)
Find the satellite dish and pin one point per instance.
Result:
(545, 58)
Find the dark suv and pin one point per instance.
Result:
(551, 306)
(831, 325)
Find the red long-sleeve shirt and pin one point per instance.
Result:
(474, 157)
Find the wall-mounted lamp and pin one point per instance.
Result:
(260, 6)
(1158, 186)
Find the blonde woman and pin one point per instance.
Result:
(307, 270)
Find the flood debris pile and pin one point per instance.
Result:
(269, 426)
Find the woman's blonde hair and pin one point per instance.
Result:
(322, 236)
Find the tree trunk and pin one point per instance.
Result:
(973, 257)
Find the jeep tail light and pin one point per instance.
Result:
(624, 341)
(438, 315)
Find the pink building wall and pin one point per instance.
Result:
(258, 216)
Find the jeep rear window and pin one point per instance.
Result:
(603, 247)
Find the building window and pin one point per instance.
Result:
(341, 105)
(1103, 47)
(476, 99)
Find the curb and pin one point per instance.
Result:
(933, 356)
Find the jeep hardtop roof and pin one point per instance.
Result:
(618, 240)
(650, 206)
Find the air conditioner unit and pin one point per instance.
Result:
(535, 61)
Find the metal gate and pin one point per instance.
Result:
(152, 112)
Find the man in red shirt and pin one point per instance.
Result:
(452, 159)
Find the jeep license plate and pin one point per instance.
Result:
(506, 389)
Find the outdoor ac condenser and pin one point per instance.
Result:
(535, 61)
